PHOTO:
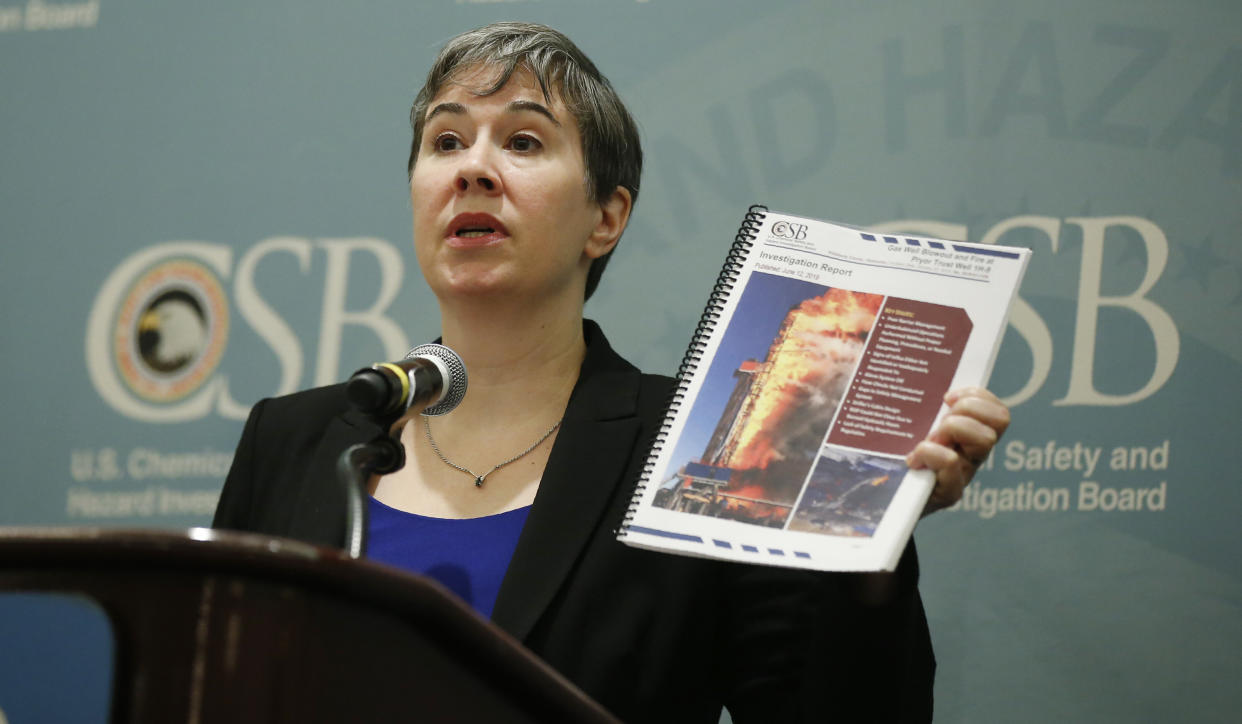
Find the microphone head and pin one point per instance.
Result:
(454, 382)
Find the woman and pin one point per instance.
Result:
(524, 169)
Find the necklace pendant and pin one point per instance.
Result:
(478, 479)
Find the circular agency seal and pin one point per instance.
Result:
(171, 330)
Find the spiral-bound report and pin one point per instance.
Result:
(821, 360)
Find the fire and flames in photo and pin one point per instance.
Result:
(772, 426)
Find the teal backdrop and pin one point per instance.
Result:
(203, 204)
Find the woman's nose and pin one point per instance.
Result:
(484, 182)
(478, 171)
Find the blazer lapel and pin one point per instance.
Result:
(587, 463)
(319, 509)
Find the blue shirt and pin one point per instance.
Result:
(467, 555)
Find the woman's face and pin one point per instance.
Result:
(499, 194)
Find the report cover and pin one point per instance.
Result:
(820, 362)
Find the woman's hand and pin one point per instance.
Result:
(960, 443)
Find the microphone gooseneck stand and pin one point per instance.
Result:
(385, 392)
(354, 467)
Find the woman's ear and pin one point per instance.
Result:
(614, 215)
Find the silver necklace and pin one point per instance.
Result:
(478, 479)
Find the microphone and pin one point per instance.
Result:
(431, 376)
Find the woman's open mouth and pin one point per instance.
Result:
(475, 229)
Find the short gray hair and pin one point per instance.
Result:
(610, 143)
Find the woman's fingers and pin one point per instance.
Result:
(960, 443)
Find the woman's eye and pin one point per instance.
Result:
(523, 143)
(447, 142)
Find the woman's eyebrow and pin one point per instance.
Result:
(455, 108)
(518, 106)
(513, 107)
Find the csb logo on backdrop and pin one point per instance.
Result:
(171, 330)
(159, 326)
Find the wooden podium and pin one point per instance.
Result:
(211, 626)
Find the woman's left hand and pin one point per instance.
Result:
(961, 443)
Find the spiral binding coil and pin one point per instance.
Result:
(730, 272)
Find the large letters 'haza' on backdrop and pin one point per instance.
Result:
(205, 204)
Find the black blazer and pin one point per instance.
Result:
(651, 636)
